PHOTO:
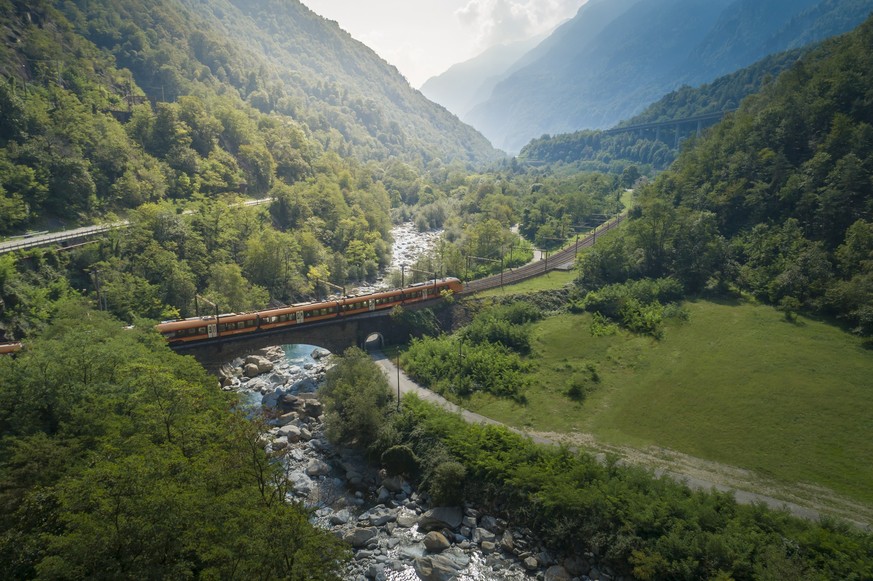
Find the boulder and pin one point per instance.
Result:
(557, 573)
(480, 534)
(285, 419)
(251, 370)
(507, 542)
(436, 542)
(531, 564)
(490, 523)
(317, 468)
(406, 520)
(394, 483)
(301, 483)
(379, 516)
(291, 432)
(488, 547)
(274, 353)
(313, 408)
(319, 353)
(436, 568)
(358, 538)
(263, 364)
(441, 517)
(280, 443)
(340, 517)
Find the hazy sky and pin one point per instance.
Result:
(423, 38)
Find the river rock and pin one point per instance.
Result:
(557, 573)
(317, 468)
(319, 353)
(436, 568)
(291, 432)
(448, 517)
(251, 370)
(481, 534)
(313, 408)
(358, 538)
(507, 542)
(279, 443)
(490, 523)
(379, 516)
(406, 520)
(263, 364)
(340, 517)
(274, 353)
(487, 547)
(436, 542)
(285, 419)
(530, 563)
(301, 483)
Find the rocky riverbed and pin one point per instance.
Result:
(394, 532)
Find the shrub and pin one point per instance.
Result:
(447, 484)
(400, 460)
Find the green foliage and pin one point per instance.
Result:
(640, 525)
(400, 460)
(446, 485)
(357, 399)
(774, 200)
(119, 459)
(637, 305)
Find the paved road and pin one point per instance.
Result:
(408, 386)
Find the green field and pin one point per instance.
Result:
(736, 384)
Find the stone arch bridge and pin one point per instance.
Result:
(335, 335)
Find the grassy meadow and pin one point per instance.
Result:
(735, 384)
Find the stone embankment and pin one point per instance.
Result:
(394, 532)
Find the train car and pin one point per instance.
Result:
(202, 328)
(9, 348)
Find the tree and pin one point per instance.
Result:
(357, 399)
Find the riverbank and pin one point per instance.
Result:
(394, 532)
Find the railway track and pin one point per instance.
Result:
(560, 259)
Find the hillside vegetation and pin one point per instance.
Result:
(774, 201)
(655, 149)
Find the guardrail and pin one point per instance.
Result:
(48, 239)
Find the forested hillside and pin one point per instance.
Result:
(775, 201)
(107, 105)
(655, 149)
(592, 81)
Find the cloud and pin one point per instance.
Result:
(498, 21)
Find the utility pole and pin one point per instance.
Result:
(398, 379)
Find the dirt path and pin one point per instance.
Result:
(805, 501)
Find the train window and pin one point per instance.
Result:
(201, 330)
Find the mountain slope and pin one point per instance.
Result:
(644, 52)
(775, 201)
(656, 148)
(282, 57)
(466, 84)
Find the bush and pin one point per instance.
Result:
(400, 460)
(357, 398)
(447, 484)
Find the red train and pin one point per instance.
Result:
(7, 348)
(200, 328)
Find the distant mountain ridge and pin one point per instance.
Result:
(468, 83)
(616, 57)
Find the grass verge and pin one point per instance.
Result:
(737, 384)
